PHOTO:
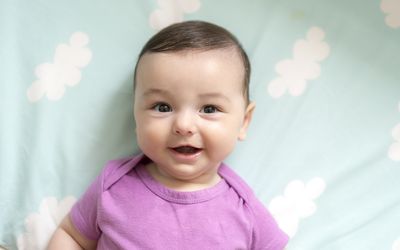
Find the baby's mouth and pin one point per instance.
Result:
(187, 150)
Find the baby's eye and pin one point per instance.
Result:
(162, 107)
(208, 109)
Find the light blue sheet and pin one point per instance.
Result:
(323, 151)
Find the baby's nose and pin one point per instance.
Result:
(184, 124)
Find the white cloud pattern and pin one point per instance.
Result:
(392, 10)
(296, 203)
(171, 11)
(39, 226)
(396, 244)
(394, 149)
(64, 71)
(294, 73)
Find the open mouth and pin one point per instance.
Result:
(187, 150)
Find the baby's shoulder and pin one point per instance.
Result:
(236, 182)
(242, 189)
(116, 169)
(255, 207)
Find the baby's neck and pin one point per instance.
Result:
(180, 185)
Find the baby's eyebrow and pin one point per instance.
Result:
(155, 91)
(164, 92)
(214, 95)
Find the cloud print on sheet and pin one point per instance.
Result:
(64, 71)
(40, 226)
(296, 203)
(396, 244)
(171, 11)
(392, 10)
(394, 149)
(294, 73)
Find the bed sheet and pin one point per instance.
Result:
(323, 150)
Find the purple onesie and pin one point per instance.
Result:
(125, 208)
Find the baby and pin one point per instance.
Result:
(191, 105)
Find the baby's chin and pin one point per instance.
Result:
(182, 173)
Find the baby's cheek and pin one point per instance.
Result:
(222, 142)
(147, 136)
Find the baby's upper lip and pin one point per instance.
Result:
(185, 145)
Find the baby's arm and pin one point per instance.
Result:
(67, 237)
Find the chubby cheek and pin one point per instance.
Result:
(149, 138)
(220, 141)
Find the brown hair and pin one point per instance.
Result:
(196, 35)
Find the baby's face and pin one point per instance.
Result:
(190, 110)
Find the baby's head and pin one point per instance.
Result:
(191, 100)
(197, 36)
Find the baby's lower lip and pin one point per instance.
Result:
(187, 150)
(186, 154)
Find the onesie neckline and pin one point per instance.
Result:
(181, 197)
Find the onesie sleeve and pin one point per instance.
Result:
(266, 233)
(84, 212)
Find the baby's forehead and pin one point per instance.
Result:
(205, 61)
(201, 58)
(228, 52)
(217, 67)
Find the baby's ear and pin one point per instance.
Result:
(246, 120)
